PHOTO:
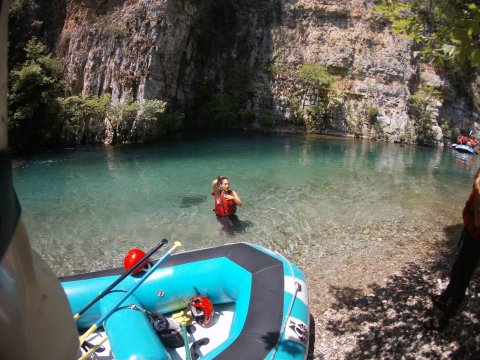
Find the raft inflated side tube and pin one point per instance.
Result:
(119, 279)
(120, 301)
(129, 332)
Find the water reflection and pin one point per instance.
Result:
(464, 161)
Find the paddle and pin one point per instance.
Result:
(114, 308)
(116, 282)
(185, 342)
(184, 317)
(93, 349)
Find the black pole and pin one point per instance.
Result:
(125, 274)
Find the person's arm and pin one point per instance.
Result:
(235, 198)
(215, 187)
(476, 200)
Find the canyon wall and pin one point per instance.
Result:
(236, 63)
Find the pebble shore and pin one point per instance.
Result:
(384, 319)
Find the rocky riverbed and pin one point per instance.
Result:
(377, 311)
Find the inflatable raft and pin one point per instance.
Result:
(465, 144)
(464, 148)
(260, 306)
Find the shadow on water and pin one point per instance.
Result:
(189, 201)
(232, 225)
(388, 323)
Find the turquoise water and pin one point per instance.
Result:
(314, 200)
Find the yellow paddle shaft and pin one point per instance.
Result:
(89, 332)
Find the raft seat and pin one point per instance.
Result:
(129, 332)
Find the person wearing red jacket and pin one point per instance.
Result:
(225, 203)
(451, 298)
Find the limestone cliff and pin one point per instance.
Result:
(235, 63)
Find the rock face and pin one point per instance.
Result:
(235, 63)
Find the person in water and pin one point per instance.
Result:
(225, 202)
(451, 298)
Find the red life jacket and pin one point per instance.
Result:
(224, 207)
(468, 215)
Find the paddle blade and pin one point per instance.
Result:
(183, 317)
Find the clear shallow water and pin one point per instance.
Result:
(326, 203)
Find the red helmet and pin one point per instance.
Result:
(132, 257)
(202, 309)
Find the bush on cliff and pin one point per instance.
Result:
(83, 118)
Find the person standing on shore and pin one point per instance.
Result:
(225, 202)
(451, 298)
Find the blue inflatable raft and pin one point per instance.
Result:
(463, 148)
(260, 305)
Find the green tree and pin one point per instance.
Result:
(317, 85)
(420, 111)
(151, 110)
(121, 116)
(443, 30)
(83, 117)
(317, 77)
(23, 24)
(34, 87)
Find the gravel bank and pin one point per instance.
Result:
(384, 319)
